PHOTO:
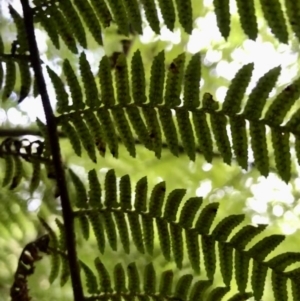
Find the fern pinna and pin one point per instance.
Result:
(183, 231)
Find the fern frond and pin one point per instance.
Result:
(151, 14)
(105, 282)
(102, 11)
(273, 13)
(168, 12)
(91, 280)
(74, 21)
(75, 89)
(90, 87)
(293, 13)
(134, 16)
(10, 79)
(223, 16)
(90, 19)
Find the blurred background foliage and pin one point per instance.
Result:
(264, 200)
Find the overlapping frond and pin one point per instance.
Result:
(105, 119)
(180, 225)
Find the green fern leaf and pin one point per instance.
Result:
(209, 253)
(240, 296)
(140, 200)
(43, 129)
(217, 294)
(1, 67)
(169, 129)
(96, 131)
(81, 196)
(62, 234)
(157, 199)
(106, 82)
(84, 135)
(84, 226)
(149, 279)
(109, 131)
(279, 286)
(226, 262)
(136, 231)
(97, 226)
(191, 83)
(95, 190)
(124, 130)
(245, 235)
(134, 16)
(91, 280)
(133, 278)
(241, 266)
(283, 102)
(248, 19)
(192, 245)
(166, 282)
(102, 12)
(295, 290)
(185, 14)
(168, 12)
(164, 237)
(74, 86)
(122, 81)
(239, 140)
(139, 126)
(218, 123)
(206, 218)
(261, 249)
(110, 228)
(172, 204)
(105, 281)
(110, 188)
(174, 81)
(9, 170)
(186, 133)
(21, 30)
(154, 131)
(198, 290)
(189, 211)
(138, 79)
(62, 27)
(119, 278)
(25, 80)
(55, 267)
(125, 193)
(177, 243)
(237, 89)
(90, 87)
(293, 13)
(260, 92)
(10, 79)
(62, 96)
(49, 25)
(122, 230)
(71, 133)
(151, 14)
(120, 16)
(258, 279)
(223, 16)
(259, 147)
(203, 134)
(225, 227)
(273, 13)
(182, 287)
(65, 271)
(157, 79)
(282, 261)
(282, 153)
(90, 19)
(18, 172)
(73, 21)
(148, 231)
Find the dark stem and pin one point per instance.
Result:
(56, 153)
